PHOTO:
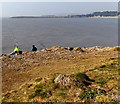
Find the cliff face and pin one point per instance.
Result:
(62, 74)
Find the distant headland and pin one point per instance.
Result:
(101, 14)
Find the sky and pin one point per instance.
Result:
(54, 8)
(59, 0)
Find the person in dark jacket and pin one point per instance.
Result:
(33, 48)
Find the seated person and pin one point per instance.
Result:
(33, 48)
(16, 51)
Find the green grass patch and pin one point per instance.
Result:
(35, 102)
(39, 86)
(38, 80)
(63, 89)
(91, 94)
(41, 93)
(42, 90)
(109, 67)
(55, 86)
(101, 82)
(54, 101)
(31, 96)
(102, 66)
(82, 76)
(113, 58)
(84, 79)
(117, 49)
(62, 94)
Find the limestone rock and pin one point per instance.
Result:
(78, 49)
(44, 50)
(56, 48)
(69, 48)
(72, 80)
(62, 79)
(65, 80)
(95, 48)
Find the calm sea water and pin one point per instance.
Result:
(73, 32)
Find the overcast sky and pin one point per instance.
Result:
(54, 8)
(59, 0)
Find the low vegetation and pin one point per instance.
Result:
(74, 76)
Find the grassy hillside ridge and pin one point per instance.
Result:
(31, 76)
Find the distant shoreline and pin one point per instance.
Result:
(105, 17)
(101, 14)
(65, 17)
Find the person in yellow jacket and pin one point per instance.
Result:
(16, 51)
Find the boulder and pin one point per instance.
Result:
(69, 48)
(62, 79)
(56, 48)
(44, 50)
(95, 48)
(78, 80)
(78, 49)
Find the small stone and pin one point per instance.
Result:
(69, 48)
(78, 49)
(29, 85)
(18, 69)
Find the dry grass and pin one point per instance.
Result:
(19, 70)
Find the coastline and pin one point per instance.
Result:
(105, 17)
(87, 49)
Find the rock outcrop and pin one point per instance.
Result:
(79, 80)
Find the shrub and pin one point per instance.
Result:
(91, 94)
(84, 78)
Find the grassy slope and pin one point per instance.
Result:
(20, 70)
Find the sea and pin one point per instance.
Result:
(67, 32)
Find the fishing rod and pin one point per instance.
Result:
(16, 43)
(41, 43)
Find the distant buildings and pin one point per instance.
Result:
(104, 13)
(100, 14)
